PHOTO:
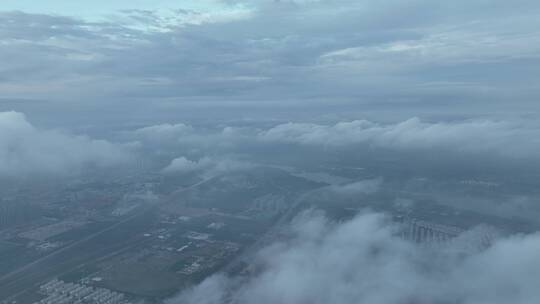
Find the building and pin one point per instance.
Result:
(425, 232)
(60, 292)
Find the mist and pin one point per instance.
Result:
(249, 151)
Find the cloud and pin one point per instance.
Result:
(164, 132)
(284, 53)
(510, 139)
(26, 150)
(358, 187)
(183, 165)
(364, 261)
(164, 20)
(205, 166)
(477, 136)
(162, 139)
(194, 142)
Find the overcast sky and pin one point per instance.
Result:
(123, 61)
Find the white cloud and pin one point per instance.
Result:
(363, 261)
(183, 165)
(479, 136)
(164, 131)
(205, 166)
(165, 139)
(26, 150)
(517, 139)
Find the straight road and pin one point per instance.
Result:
(92, 247)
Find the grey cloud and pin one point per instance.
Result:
(39, 27)
(26, 151)
(45, 56)
(286, 52)
(363, 261)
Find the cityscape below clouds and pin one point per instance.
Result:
(249, 151)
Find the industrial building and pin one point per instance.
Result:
(60, 292)
(420, 231)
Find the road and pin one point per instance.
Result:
(249, 253)
(104, 242)
(90, 248)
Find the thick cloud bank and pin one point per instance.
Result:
(363, 261)
(26, 150)
(515, 140)
(518, 139)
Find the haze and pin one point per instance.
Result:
(294, 151)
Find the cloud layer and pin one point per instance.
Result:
(27, 151)
(363, 261)
(464, 57)
(479, 136)
(484, 137)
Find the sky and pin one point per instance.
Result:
(100, 8)
(456, 76)
(80, 64)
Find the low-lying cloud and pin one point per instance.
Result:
(364, 261)
(479, 136)
(164, 132)
(186, 139)
(205, 166)
(27, 151)
(358, 187)
(515, 140)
